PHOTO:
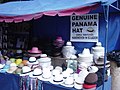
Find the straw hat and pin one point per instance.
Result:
(26, 70)
(34, 52)
(12, 68)
(68, 82)
(46, 74)
(57, 79)
(59, 42)
(36, 73)
(78, 84)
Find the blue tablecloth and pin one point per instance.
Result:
(9, 81)
(49, 86)
(13, 82)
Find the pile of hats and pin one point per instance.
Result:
(44, 60)
(100, 62)
(86, 57)
(68, 50)
(97, 51)
(90, 82)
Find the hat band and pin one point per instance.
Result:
(57, 81)
(19, 67)
(32, 61)
(37, 74)
(90, 83)
(26, 72)
(79, 83)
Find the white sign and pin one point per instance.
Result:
(84, 28)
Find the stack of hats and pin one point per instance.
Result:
(44, 60)
(68, 50)
(90, 82)
(100, 62)
(97, 51)
(86, 57)
(34, 52)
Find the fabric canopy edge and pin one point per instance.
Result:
(66, 12)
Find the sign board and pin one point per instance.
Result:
(84, 28)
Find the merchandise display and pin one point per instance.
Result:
(37, 65)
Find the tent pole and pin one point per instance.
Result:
(106, 16)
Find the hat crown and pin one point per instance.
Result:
(86, 51)
(59, 39)
(26, 69)
(69, 43)
(32, 59)
(35, 48)
(37, 71)
(98, 44)
(43, 55)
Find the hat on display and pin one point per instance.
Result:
(68, 43)
(68, 82)
(92, 69)
(86, 53)
(8, 62)
(35, 50)
(19, 69)
(91, 79)
(69, 70)
(5, 68)
(26, 70)
(18, 54)
(82, 65)
(86, 57)
(59, 42)
(18, 61)
(57, 79)
(32, 59)
(59, 68)
(36, 73)
(55, 72)
(82, 74)
(12, 60)
(78, 84)
(65, 74)
(12, 68)
(1, 66)
(89, 87)
(46, 74)
(100, 62)
(44, 61)
(25, 62)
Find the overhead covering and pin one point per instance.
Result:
(19, 11)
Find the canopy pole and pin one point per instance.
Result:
(106, 16)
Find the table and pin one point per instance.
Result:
(13, 81)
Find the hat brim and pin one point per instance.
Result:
(67, 85)
(34, 55)
(44, 79)
(34, 52)
(76, 86)
(53, 82)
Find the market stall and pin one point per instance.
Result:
(43, 8)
